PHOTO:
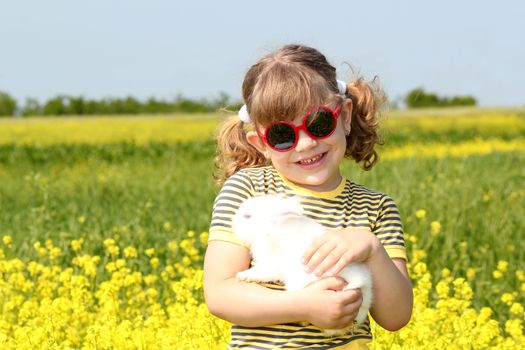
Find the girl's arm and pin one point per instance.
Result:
(393, 296)
(252, 305)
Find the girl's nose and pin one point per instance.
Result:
(305, 142)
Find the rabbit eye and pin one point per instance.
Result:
(247, 216)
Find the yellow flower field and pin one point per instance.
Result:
(106, 130)
(461, 149)
(73, 300)
(172, 128)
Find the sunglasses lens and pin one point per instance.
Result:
(280, 136)
(320, 123)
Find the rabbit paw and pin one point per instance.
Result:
(247, 276)
(254, 275)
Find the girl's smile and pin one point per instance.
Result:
(313, 162)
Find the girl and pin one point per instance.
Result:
(304, 122)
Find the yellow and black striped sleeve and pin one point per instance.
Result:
(388, 228)
(235, 190)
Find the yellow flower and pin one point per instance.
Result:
(8, 241)
(154, 262)
(471, 273)
(186, 261)
(81, 219)
(120, 263)
(191, 234)
(516, 309)
(442, 289)
(130, 252)
(421, 213)
(110, 267)
(502, 266)
(150, 279)
(507, 298)
(152, 293)
(166, 226)
(173, 246)
(203, 238)
(520, 275)
(170, 270)
(54, 253)
(462, 289)
(435, 228)
(488, 196)
(497, 274)
(113, 250)
(49, 244)
(41, 251)
(514, 328)
(76, 245)
(418, 255)
(150, 252)
(410, 238)
(109, 242)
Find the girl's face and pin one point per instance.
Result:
(312, 164)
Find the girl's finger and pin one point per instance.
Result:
(352, 296)
(320, 254)
(329, 261)
(330, 283)
(344, 259)
(307, 255)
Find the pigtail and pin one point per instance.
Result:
(233, 150)
(368, 100)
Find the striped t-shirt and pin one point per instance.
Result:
(350, 205)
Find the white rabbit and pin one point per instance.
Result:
(279, 234)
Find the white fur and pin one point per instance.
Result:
(279, 234)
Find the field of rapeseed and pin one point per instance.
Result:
(103, 226)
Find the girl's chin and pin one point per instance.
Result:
(319, 183)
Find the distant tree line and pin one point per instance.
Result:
(78, 105)
(71, 105)
(419, 98)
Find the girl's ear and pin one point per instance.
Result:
(347, 121)
(253, 139)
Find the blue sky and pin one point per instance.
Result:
(106, 48)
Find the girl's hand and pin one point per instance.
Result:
(331, 252)
(325, 305)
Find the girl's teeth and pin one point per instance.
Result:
(311, 160)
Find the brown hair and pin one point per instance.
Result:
(288, 82)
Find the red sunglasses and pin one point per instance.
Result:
(319, 123)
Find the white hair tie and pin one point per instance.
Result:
(341, 85)
(245, 117)
(243, 114)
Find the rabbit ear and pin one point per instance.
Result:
(241, 223)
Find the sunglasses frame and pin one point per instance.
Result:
(296, 128)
